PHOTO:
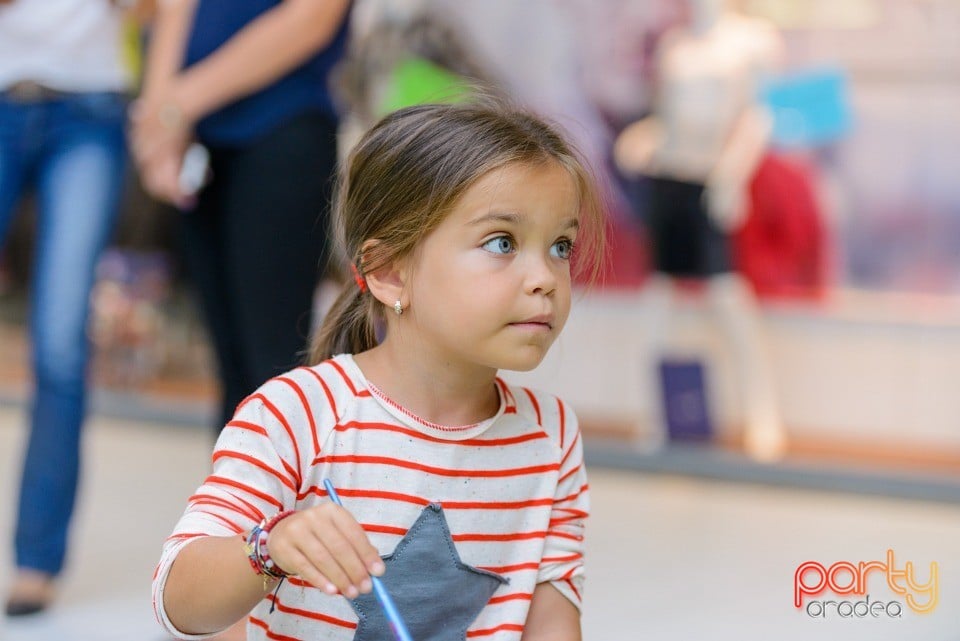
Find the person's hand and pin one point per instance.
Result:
(158, 125)
(725, 201)
(159, 136)
(635, 150)
(326, 547)
(161, 178)
(140, 11)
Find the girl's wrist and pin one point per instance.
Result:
(257, 549)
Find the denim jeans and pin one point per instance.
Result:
(71, 150)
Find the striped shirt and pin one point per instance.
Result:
(513, 489)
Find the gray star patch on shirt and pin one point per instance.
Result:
(437, 594)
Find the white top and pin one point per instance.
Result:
(69, 45)
(707, 81)
(512, 487)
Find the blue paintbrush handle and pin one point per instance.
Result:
(389, 608)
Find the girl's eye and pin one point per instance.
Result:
(562, 249)
(500, 245)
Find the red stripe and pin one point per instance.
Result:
(569, 574)
(579, 513)
(518, 596)
(326, 390)
(516, 536)
(306, 409)
(219, 480)
(574, 588)
(566, 535)
(346, 379)
(383, 529)
(536, 405)
(503, 569)
(223, 504)
(230, 524)
(573, 446)
(561, 559)
(253, 512)
(513, 627)
(201, 497)
(418, 500)
(369, 494)
(569, 474)
(283, 421)
(511, 407)
(390, 427)
(256, 463)
(566, 519)
(186, 535)
(583, 488)
(440, 471)
(469, 536)
(271, 635)
(246, 425)
(494, 505)
(309, 614)
(242, 403)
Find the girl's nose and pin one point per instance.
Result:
(540, 277)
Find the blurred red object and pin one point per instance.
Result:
(626, 262)
(781, 249)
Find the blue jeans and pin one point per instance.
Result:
(71, 151)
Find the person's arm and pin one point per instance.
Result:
(749, 138)
(158, 136)
(211, 584)
(635, 148)
(727, 185)
(265, 49)
(555, 609)
(638, 146)
(173, 101)
(552, 617)
(204, 581)
(168, 38)
(274, 43)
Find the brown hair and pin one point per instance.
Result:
(408, 172)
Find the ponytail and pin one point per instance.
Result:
(348, 328)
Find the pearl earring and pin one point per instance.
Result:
(398, 307)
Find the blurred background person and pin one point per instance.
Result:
(700, 147)
(401, 53)
(248, 80)
(63, 97)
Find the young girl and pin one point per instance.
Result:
(465, 494)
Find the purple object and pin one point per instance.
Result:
(686, 409)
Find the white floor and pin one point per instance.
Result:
(670, 558)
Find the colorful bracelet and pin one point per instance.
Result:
(257, 552)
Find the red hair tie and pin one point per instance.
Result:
(358, 278)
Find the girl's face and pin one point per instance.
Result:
(490, 286)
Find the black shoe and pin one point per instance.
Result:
(17, 608)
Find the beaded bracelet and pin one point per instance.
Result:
(258, 553)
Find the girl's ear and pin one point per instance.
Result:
(385, 283)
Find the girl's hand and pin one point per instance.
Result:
(326, 547)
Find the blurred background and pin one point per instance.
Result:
(844, 334)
